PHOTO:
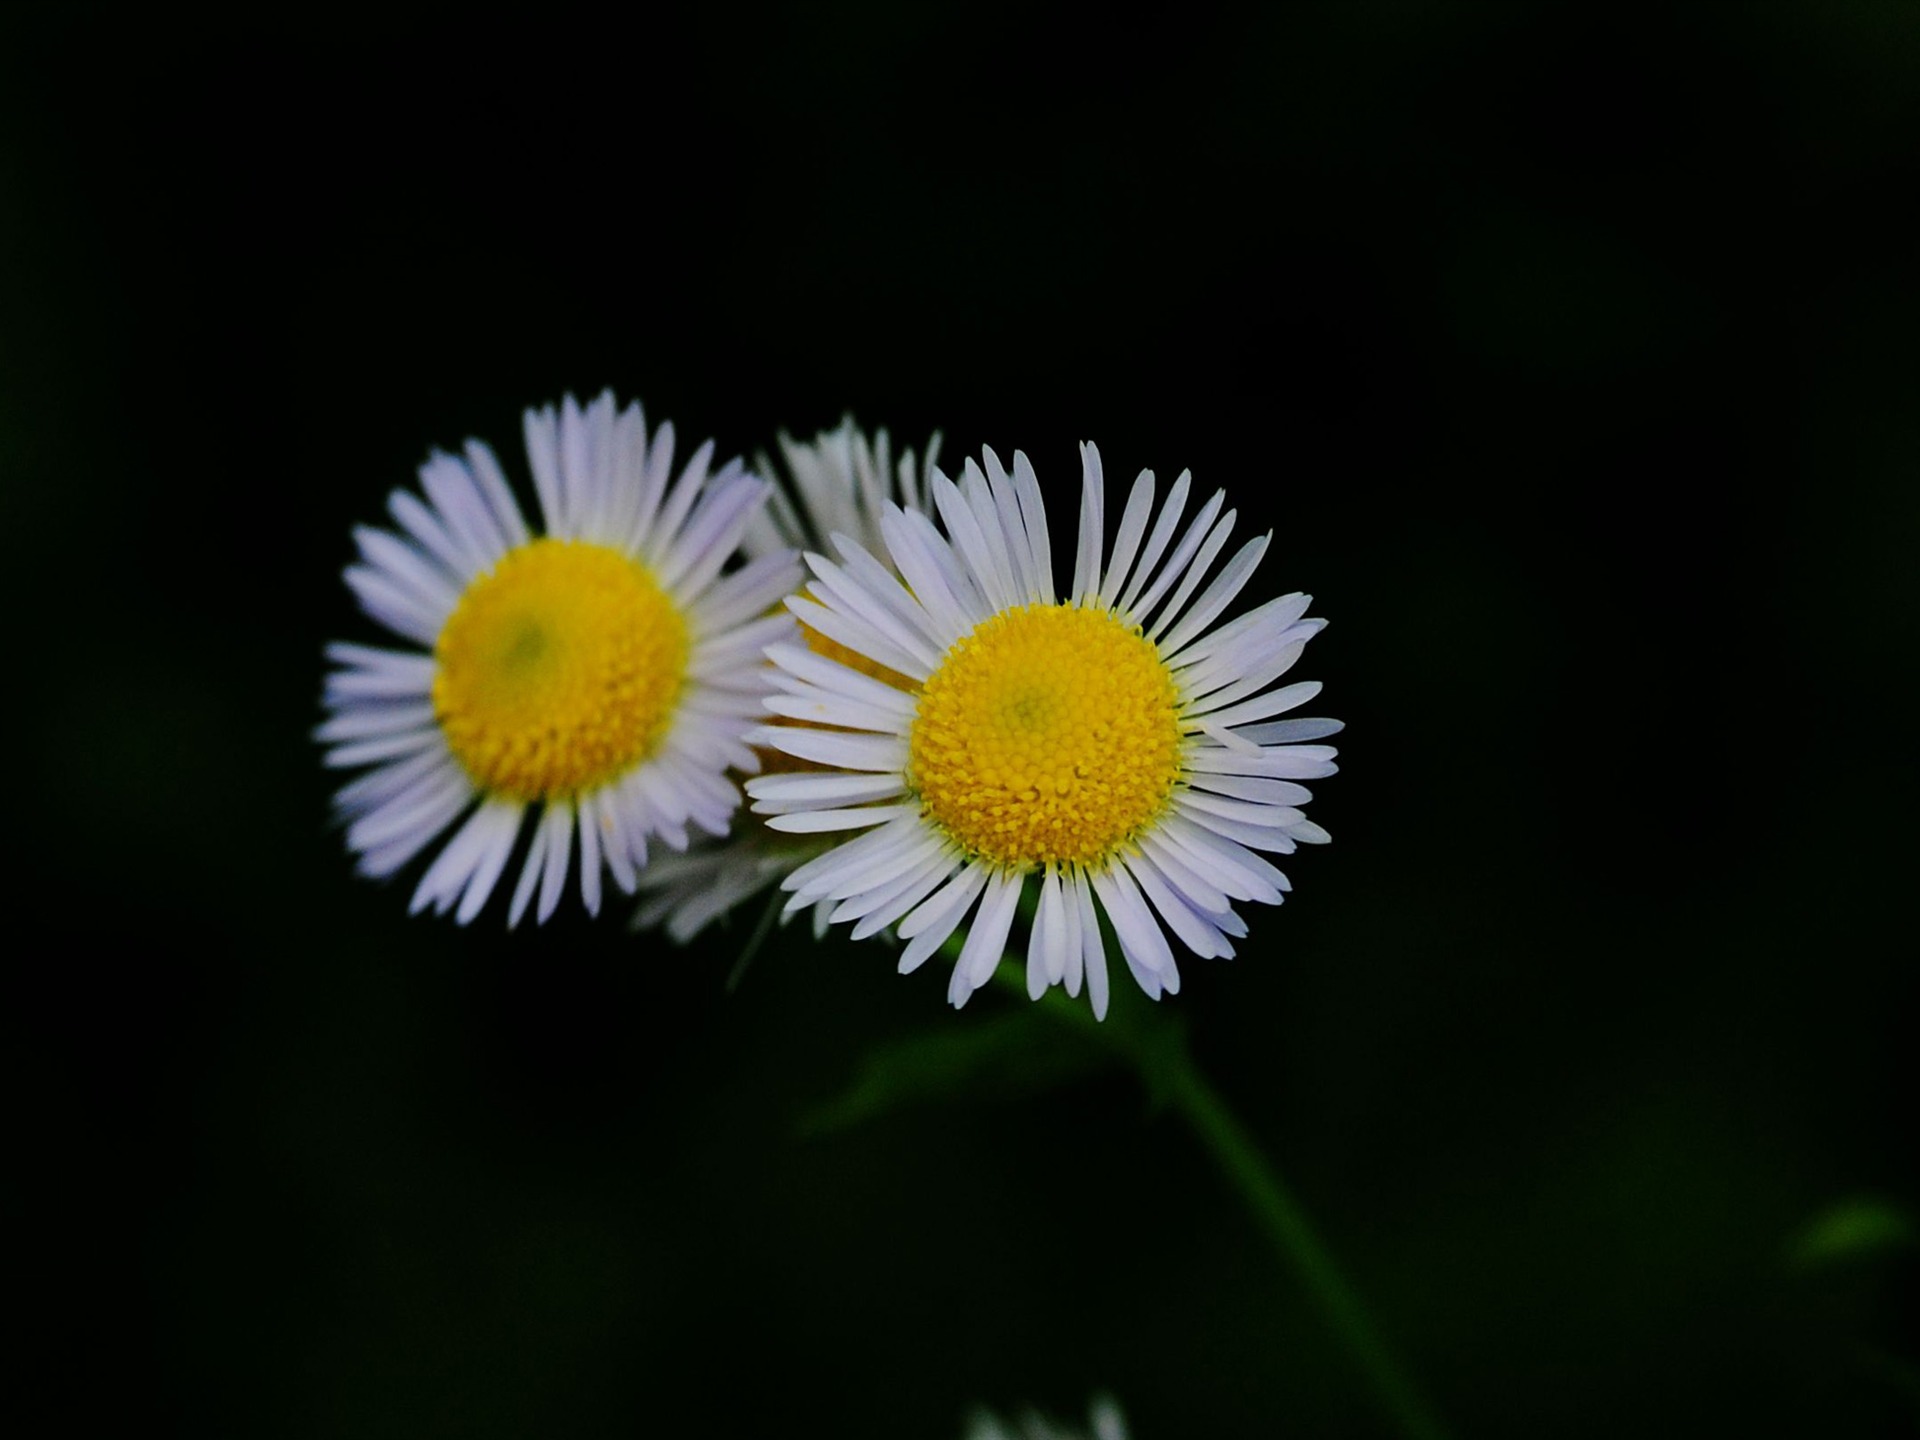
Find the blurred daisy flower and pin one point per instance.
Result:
(1104, 1422)
(1115, 752)
(602, 672)
(838, 483)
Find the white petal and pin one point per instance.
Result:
(963, 526)
(1247, 811)
(529, 873)
(992, 519)
(493, 485)
(1227, 584)
(814, 822)
(1046, 962)
(1182, 556)
(885, 586)
(880, 753)
(409, 568)
(655, 469)
(1141, 942)
(579, 492)
(817, 789)
(1133, 526)
(936, 917)
(858, 636)
(1275, 839)
(1226, 686)
(1280, 762)
(839, 591)
(454, 866)
(888, 897)
(832, 675)
(1093, 947)
(1183, 919)
(679, 501)
(849, 858)
(394, 606)
(357, 722)
(408, 829)
(413, 515)
(931, 571)
(1274, 702)
(1239, 872)
(1285, 732)
(617, 846)
(397, 675)
(424, 808)
(958, 891)
(383, 782)
(1205, 892)
(749, 591)
(1196, 572)
(589, 859)
(986, 943)
(1252, 787)
(1171, 509)
(541, 429)
(558, 823)
(386, 747)
(1012, 527)
(819, 708)
(465, 512)
(1086, 557)
(503, 829)
(712, 536)
(1033, 510)
(1275, 617)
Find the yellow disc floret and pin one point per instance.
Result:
(1048, 734)
(558, 670)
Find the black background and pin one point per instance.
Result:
(1570, 355)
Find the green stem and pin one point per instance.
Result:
(1287, 1227)
(1168, 1069)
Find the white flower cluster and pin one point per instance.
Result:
(940, 743)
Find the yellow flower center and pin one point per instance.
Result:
(1049, 733)
(558, 670)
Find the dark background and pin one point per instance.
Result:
(1569, 353)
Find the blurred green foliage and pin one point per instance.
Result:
(1853, 1231)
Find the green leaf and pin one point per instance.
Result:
(1862, 1228)
(985, 1057)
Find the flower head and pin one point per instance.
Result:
(838, 483)
(1113, 752)
(603, 671)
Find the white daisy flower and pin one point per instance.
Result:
(838, 483)
(1115, 752)
(604, 671)
(1104, 1422)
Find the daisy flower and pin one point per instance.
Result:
(838, 483)
(602, 673)
(1114, 753)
